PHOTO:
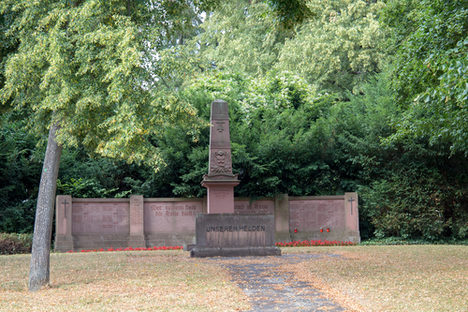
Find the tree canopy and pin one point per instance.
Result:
(430, 73)
(82, 64)
(80, 70)
(325, 97)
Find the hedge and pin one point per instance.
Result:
(11, 243)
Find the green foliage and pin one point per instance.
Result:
(290, 13)
(240, 36)
(79, 176)
(81, 65)
(409, 188)
(15, 243)
(83, 188)
(336, 45)
(7, 46)
(325, 97)
(287, 138)
(417, 203)
(402, 241)
(84, 177)
(286, 154)
(275, 147)
(430, 73)
(340, 47)
(20, 167)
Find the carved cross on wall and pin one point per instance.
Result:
(351, 202)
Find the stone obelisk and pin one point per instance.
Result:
(221, 232)
(220, 181)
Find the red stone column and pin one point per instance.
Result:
(220, 197)
(220, 181)
(63, 223)
(137, 234)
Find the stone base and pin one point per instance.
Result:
(283, 237)
(170, 239)
(333, 235)
(234, 235)
(63, 244)
(93, 241)
(220, 193)
(137, 241)
(189, 247)
(201, 252)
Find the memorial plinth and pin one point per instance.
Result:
(221, 232)
(233, 235)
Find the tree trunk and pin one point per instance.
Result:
(39, 267)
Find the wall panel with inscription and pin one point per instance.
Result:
(171, 217)
(100, 218)
(260, 207)
(313, 215)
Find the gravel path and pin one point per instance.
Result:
(272, 290)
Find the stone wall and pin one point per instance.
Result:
(138, 222)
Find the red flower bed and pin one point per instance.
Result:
(131, 249)
(311, 243)
(304, 243)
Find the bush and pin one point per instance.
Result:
(11, 243)
(417, 203)
(402, 241)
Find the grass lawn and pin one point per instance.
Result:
(363, 278)
(121, 281)
(391, 278)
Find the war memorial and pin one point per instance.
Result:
(217, 225)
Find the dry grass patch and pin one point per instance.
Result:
(121, 281)
(360, 278)
(390, 278)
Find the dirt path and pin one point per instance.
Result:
(270, 289)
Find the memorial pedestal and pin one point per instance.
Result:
(230, 235)
(220, 193)
(63, 243)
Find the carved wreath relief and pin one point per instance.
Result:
(221, 162)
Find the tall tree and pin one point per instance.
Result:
(79, 73)
(7, 46)
(241, 36)
(431, 70)
(335, 45)
(339, 47)
(39, 271)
